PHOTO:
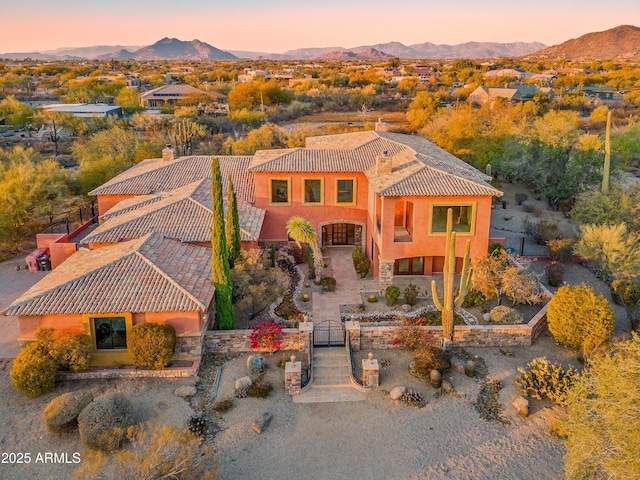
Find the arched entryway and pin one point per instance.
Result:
(342, 233)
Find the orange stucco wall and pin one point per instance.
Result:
(29, 324)
(183, 322)
(274, 226)
(106, 202)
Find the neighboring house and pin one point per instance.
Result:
(508, 72)
(105, 292)
(90, 110)
(170, 95)
(599, 92)
(513, 93)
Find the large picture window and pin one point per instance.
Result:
(313, 191)
(462, 218)
(110, 332)
(345, 190)
(280, 191)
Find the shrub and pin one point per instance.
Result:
(391, 295)
(625, 292)
(541, 231)
(429, 358)
(72, 351)
(265, 336)
(33, 372)
(152, 345)
(543, 379)
(372, 298)
(473, 298)
(198, 425)
(411, 294)
(361, 263)
(579, 318)
(260, 389)
(411, 337)
(496, 247)
(61, 414)
(505, 315)
(328, 284)
(521, 198)
(222, 406)
(413, 399)
(601, 426)
(305, 297)
(104, 423)
(555, 274)
(156, 452)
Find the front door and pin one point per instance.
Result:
(339, 234)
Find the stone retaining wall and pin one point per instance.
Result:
(188, 347)
(171, 372)
(224, 341)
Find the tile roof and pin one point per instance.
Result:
(151, 274)
(178, 90)
(443, 175)
(183, 214)
(157, 175)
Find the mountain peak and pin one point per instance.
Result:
(173, 49)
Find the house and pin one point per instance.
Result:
(388, 193)
(513, 93)
(170, 95)
(104, 292)
(87, 110)
(517, 73)
(148, 261)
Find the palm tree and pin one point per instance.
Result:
(301, 230)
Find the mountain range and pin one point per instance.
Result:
(617, 43)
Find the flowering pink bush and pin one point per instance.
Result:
(265, 336)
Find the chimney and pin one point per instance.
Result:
(384, 164)
(382, 126)
(168, 153)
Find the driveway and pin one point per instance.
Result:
(13, 284)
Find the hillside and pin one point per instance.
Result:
(172, 49)
(368, 54)
(618, 43)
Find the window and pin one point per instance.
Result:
(346, 190)
(110, 332)
(462, 218)
(313, 193)
(409, 266)
(280, 191)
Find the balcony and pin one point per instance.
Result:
(401, 234)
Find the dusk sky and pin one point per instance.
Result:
(279, 25)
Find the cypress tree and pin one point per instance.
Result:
(232, 225)
(219, 256)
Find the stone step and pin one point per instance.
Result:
(330, 370)
(331, 360)
(337, 380)
(329, 352)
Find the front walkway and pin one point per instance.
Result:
(326, 305)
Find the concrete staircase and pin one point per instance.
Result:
(331, 379)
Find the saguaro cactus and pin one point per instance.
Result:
(449, 301)
(607, 156)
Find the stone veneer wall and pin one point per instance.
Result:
(103, 373)
(385, 275)
(381, 337)
(188, 347)
(224, 341)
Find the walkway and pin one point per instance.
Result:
(326, 305)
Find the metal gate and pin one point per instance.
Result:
(330, 333)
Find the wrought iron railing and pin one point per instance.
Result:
(305, 376)
(356, 371)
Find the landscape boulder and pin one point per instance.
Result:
(186, 391)
(397, 392)
(522, 406)
(242, 386)
(256, 363)
(261, 422)
(458, 366)
(435, 378)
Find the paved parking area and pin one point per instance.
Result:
(13, 283)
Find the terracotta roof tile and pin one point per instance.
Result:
(183, 214)
(157, 175)
(152, 274)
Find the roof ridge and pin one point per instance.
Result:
(168, 277)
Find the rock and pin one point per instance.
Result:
(397, 392)
(261, 422)
(445, 387)
(242, 386)
(186, 391)
(470, 368)
(522, 406)
(486, 317)
(435, 379)
(458, 366)
(406, 307)
(256, 363)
